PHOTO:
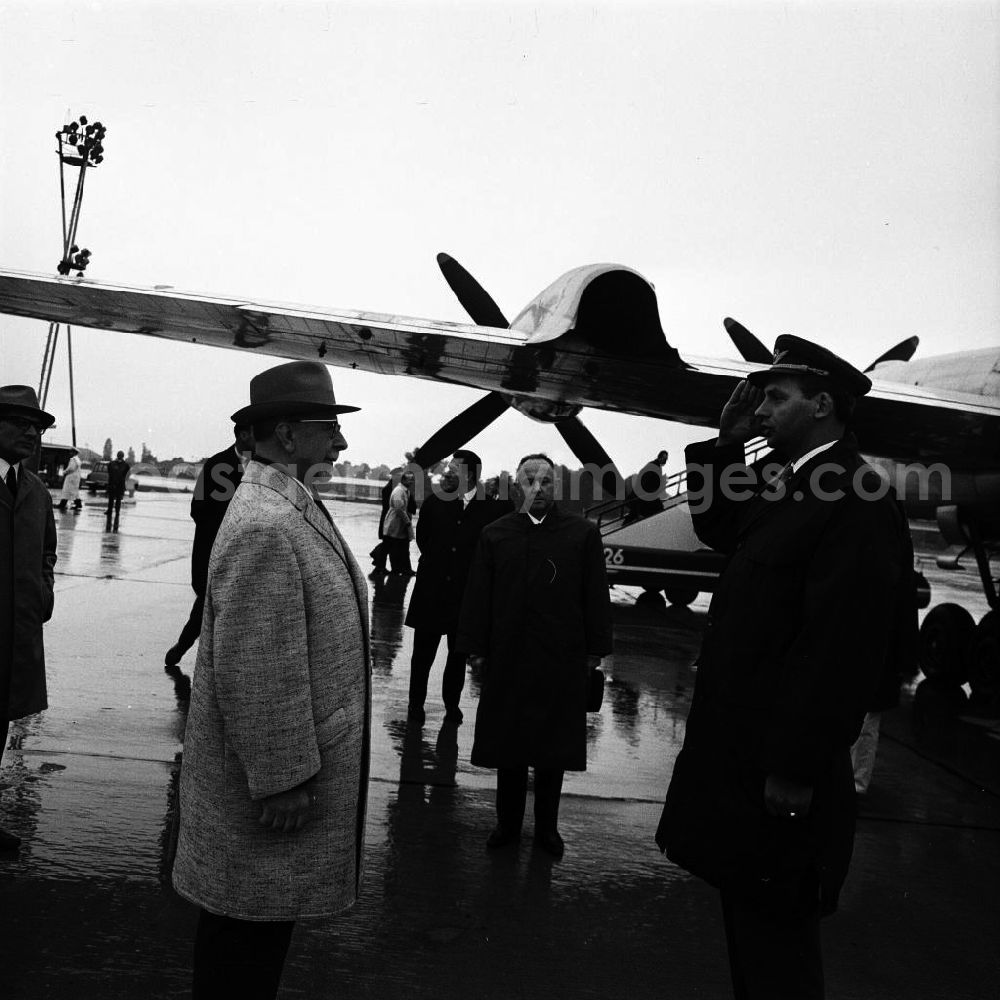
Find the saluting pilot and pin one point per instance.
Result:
(816, 596)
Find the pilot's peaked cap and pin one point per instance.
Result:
(796, 356)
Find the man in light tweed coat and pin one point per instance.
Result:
(275, 772)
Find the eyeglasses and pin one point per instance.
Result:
(332, 426)
(22, 423)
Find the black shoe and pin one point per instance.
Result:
(550, 842)
(8, 842)
(501, 838)
(454, 714)
(172, 658)
(415, 714)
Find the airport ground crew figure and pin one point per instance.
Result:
(397, 526)
(216, 485)
(27, 558)
(645, 490)
(71, 484)
(816, 596)
(118, 470)
(448, 528)
(536, 618)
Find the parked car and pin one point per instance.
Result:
(97, 481)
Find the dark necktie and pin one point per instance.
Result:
(10, 481)
(779, 481)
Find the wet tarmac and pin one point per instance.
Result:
(86, 909)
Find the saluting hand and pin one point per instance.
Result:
(738, 423)
(286, 812)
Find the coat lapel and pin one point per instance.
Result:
(275, 478)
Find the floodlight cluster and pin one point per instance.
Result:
(76, 261)
(82, 141)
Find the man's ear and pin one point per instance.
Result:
(824, 405)
(284, 436)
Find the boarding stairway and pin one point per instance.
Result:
(614, 514)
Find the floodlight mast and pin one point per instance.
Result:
(79, 144)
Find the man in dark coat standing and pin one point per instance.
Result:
(448, 528)
(217, 482)
(816, 596)
(118, 470)
(27, 558)
(537, 617)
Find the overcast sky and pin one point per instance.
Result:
(825, 169)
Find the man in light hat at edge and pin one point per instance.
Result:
(815, 599)
(27, 559)
(275, 770)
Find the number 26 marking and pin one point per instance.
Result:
(613, 557)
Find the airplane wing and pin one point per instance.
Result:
(904, 422)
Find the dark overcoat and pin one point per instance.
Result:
(447, 534)
(216, 486)
(816, 595)
(27, 558)
(536, 605)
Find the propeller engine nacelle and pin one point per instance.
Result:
(609, 308)
(599, 309)
(545, 411)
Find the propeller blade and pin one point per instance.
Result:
(460, 429)
(474, 298)
(589, 451)
(750, 347)
(903, 351)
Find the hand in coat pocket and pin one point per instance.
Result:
(286, 812)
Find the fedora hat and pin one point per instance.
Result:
(21, 401)
(296, 389)
(796, 356)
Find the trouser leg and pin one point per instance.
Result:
(512, 793)
(548, 790)
(190, 632)
(8, 841)
(239, 958)
(773, 956)
(425, 646)
(395, 557)
(864, 750)
(454, 675)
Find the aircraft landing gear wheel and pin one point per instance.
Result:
(650, 597)
(984, 663)
(680, 595)
(944, 640)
